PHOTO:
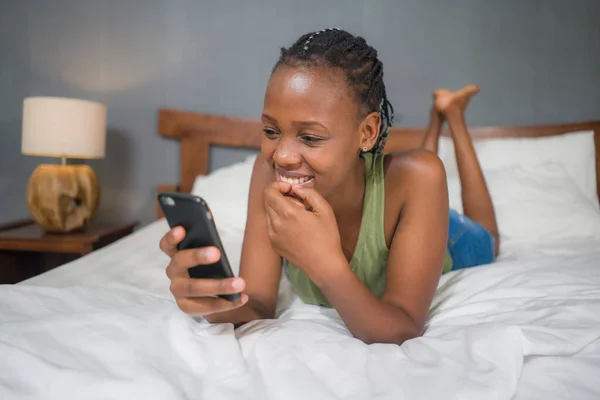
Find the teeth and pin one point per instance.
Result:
(294, 181)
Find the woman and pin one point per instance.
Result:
(364, 233)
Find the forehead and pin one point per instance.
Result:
(314, 91)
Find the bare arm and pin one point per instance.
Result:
(414, 265)
(260, 266)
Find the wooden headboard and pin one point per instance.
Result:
(197, 132)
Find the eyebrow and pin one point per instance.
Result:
(298, 124)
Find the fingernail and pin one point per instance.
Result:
(237, 284)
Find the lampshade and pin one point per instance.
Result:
(60, 127)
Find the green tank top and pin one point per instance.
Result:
(370, 256)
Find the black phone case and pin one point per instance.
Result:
(193, 214)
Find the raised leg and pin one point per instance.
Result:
(476, 199)
(430, 140)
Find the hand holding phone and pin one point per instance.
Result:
(201, 278)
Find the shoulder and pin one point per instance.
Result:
(413, 168)
(413, 179)
(262, 176)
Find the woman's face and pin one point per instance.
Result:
(312, 129)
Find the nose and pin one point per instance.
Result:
(287, 154)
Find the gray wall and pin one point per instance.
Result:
(537, 61)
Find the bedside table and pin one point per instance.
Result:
(27, 250)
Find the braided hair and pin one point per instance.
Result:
(362, 69)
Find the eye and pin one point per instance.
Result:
(311, 140)
(270, 133)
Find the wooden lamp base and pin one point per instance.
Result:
(63, 198)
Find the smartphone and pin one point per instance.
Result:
(193, 214)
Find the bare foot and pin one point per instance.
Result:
(445, 100)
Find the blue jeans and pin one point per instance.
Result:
(469, 243)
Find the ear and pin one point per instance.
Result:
(369, 130)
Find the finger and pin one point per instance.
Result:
(282, 205)
(271, 194)
(168, 243)
(209, 305)
(270, 197)
(190, 287)
(278, 189)
(273, 220)
(283, 187)
(295, 200)
(312, 199)
(185, 259)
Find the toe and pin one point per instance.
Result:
(471, 89)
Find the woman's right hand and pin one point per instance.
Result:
(198, 296)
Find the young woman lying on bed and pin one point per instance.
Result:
(364, 232)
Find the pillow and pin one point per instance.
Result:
(532, 202)
(225, 190)
(536, 203)
(574, 151)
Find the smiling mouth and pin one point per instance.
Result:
(297, 180)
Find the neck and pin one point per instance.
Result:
(350, 194)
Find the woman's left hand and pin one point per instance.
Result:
(302, 227)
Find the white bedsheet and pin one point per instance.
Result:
(105, 326)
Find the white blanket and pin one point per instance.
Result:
(105, 326)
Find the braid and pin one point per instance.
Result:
(362, 69)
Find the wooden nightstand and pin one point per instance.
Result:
(27, 250)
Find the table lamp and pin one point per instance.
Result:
(61, 197)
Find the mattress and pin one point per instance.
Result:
(105, 326)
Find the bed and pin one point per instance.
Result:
(526, 327)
